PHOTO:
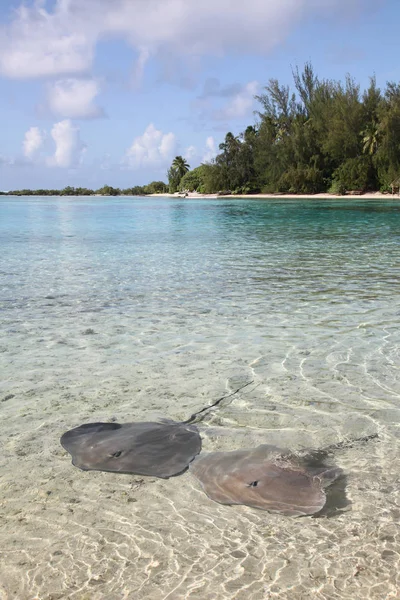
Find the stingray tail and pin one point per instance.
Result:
(197, 414)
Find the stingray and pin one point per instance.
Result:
(156, 449)
(161, 449)
(267, 478)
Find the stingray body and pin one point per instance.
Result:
(156, 449)
(266, 478)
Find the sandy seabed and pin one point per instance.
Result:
(322, 353)
(89, 535)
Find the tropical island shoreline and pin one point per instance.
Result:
(222, 196)
(278, 196)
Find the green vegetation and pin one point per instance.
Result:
(155, 187)
(323, 135)
(177, 171)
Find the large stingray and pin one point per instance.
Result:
(156, 449)
(266, 478)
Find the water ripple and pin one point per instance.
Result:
(148, 308)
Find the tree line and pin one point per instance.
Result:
(155, 187)
(321, 136)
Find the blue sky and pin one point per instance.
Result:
(109, 91)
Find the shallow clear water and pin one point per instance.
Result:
(136, 309)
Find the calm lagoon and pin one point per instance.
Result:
(142, 308)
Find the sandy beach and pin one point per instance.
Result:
(326, 196)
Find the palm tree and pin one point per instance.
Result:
(370, 139)
(180, 166)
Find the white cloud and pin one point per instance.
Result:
(144, 55)
(190, 153)
(195, 157)
(73, 98)
(240, 104)
(69, 147)
(40, 42)
(152, 149)
(33, 142)
(210, 151)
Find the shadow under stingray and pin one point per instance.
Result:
(336, 498)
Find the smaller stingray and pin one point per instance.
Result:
(156, 449)
(266, 478)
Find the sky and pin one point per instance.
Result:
(96, 92)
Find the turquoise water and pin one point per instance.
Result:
(145, 308)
